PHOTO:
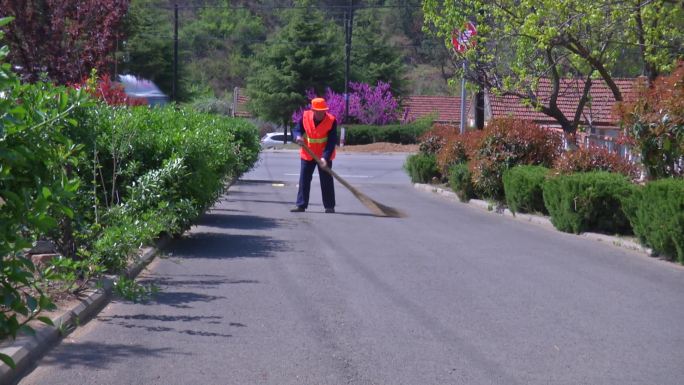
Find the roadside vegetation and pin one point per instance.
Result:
(95, 174)
(85, 170)
(525, 167)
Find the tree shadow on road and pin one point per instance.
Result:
(243, 222)
(224, 246)
(99, 355)
(199, 281)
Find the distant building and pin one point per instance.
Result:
(445, 109)
(597, 118)
(143, 88)
(239, 107)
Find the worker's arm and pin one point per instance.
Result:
(332, 141)
(298, 131)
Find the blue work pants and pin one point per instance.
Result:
(327, 188)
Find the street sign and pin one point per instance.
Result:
(465, 39)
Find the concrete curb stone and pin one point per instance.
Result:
(537, 219)
(25, 350)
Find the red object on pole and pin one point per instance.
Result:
(464, 39)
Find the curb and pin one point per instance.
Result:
(537, 219)
(25, 350)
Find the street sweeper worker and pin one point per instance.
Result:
(318, 130)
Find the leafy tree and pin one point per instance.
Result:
(220, 43)
(306, 53)
(373, 58)
(64, 39)
(522, 42)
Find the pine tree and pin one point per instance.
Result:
(306, 54)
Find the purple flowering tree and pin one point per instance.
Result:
(334, 100)
(367, 105)
(376, 105)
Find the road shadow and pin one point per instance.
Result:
(243, 222)
(291, 202)
(200, 281)
(180, 299)
(152, 324)
(224, 246)
(258, 181)
(99, 355)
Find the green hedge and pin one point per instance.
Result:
(393, 133)
(588, 201)
(523, 189)
(163, 164)
(421, 168)
(460, 180)
(656, 212)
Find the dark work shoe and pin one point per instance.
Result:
(330, 210)
(297, 209)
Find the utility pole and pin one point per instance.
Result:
(463, 99)
(349, 22)
(174, 89)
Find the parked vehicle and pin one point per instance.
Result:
(273, 139)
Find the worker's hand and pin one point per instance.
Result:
(324, 163)
(299, 140)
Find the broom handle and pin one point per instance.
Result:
(326, 168)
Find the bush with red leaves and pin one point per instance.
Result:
(655, 125)
(506, 143)
(109, 92)
(594, 159)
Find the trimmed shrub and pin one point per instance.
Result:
(594, 159)
(523, 188)
(507, 143)
(656, 212)
(590, 201)
(421, 168)
(457, 149)
(654, 124)
(460, 181)
(432, 140)
(393, 133)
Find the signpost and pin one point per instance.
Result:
(462, 41)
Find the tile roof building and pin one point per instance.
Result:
(597, 114)
(446, 109)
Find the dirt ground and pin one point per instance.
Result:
(380, 147)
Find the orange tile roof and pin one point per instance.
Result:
(448, 108)
(598, 112)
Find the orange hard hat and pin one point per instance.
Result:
(319, 104)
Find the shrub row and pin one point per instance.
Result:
(99, 181)
(393, 133)
(585, 190)
(656, 212)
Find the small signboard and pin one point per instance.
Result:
(464, 39)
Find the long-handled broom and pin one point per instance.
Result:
(376, 207)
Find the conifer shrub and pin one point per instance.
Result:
(656, 212)
(588, 201)
(460, 181)
(523, 189)
(421, 168)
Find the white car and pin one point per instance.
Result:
(273, 139)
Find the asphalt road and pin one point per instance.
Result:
(451, 294)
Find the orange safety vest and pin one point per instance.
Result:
(316, 136)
